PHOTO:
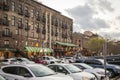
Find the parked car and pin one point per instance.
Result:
(50, 59)
(99, 63)
(98, 72)
(30, 72)
(10, 61)
(2, 78)
(71, 70)
(23, 60)
(70, 59)
(40, 61)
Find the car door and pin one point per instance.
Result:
(10, 73)
(61, 69)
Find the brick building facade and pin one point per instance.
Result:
(31, 23)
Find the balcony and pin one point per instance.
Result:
(43, 19)
(6, 34)
(6, 22)
(20, 12)
(27, 27)
(1, 21)
(38, 18)
(52, 33)
(56, 34)
(38, 30)
(0, 5)
(20, 25)
(43, 31)
(5, 7)
(27, 14)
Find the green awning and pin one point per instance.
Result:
(32, 49)
(7, 49)
(65, 44)
(37, 49)
(47, 50)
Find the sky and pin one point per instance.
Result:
(98, 16)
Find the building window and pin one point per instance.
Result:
(7, 31)
(13, 20)
(32, 35)
(20, 23)
(32, 25)
(26, 34)
(26, 43)
(6, 42)
(13, 6)
(32, 13)
(5, 18)
(26, 23)
(16, 43)
(16, 31)
(5, 2)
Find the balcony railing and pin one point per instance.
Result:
(1, 21)
(56, 34)
(27, 27)
(5, 7)
(27, 14)
(38, 30)
(38, 18)
(20, 25)
(43, 31)
(6, 22)
(20, 11)
(6, 34)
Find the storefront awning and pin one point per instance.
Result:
(65, 44)
(37, 49)
(7, 49)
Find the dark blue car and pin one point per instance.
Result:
(99, 63)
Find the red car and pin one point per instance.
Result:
(40, 61)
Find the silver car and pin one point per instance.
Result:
(72, 71)
(30, 72)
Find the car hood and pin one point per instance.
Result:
(82, 74)
(55, 77)
(113, 66)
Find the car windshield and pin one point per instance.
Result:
(40, 71)
(86, 66)
(72, 68)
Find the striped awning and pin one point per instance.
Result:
(65, 44)
(37, 49)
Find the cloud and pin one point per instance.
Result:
(84, 17)
(102, 5)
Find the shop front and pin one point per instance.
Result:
(63, 49)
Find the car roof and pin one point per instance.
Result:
(62, 64)
(24, 65)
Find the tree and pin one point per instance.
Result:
(96, 45)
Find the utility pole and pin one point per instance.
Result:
(105, 61)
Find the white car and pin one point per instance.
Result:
(98, 72)
(24, 60)
(72, 71)
(30, 72)
(50, 59)
(10, 61)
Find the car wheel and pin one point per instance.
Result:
(111, 73)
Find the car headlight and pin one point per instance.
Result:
(85, 78)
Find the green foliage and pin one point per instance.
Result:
(96, 44)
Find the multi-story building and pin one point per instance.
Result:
(28, 24)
